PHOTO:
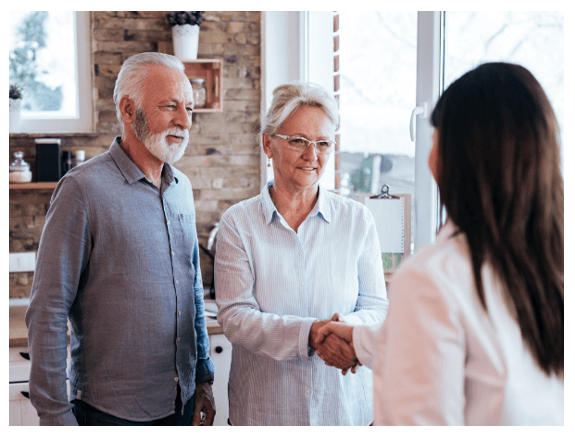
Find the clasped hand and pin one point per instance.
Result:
(334, 344)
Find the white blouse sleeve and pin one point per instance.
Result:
(419, 373)
(279, 337)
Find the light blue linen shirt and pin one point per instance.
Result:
(271, 284)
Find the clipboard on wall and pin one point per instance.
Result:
(392, 215)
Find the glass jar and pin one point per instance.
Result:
(19, 169)
(199, 92)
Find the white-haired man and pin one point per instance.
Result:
(119, 258)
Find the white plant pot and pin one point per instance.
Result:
(185, 40)
(14, 110)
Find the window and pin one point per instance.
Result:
(390, 63)
(378, 69)
(531, 39)
(384, 54)
(50, 57)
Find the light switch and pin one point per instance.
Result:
(22, 262)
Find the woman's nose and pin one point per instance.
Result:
(310, 154)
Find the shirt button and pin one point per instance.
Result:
(168, 223)
(303, 283)
(175, 378)
(308, 391)
(173, 402)
(177, 339)
(175, 388)
(179, 312)
(177, 282)
(173, 253)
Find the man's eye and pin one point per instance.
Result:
(324, 144)
(297, 141)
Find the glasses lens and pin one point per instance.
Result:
(298, 143)
(301, 144)
(324, 147)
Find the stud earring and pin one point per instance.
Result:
(269, 162)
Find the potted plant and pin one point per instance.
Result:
(185, 33)
(15, 101)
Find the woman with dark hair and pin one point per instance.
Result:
(474, 333)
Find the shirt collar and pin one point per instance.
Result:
(130, 171)
(321, 208)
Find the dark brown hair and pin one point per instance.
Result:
(501, 184)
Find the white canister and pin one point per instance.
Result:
(185, 38)
(20, 170)
(80, 157)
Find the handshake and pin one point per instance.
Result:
(333, 342)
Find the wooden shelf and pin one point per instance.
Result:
(34, 186)
(210, 70)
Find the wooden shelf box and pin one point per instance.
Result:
(210, 70)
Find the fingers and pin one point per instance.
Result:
(336, 352)
(197, 416)
(204, 405)
(323, 332)
(210, 416)
(339, 329)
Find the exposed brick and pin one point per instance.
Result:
(223, 157)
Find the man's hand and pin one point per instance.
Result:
(204, 405)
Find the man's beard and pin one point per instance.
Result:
(156, 143)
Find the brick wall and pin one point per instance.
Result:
(222, 159)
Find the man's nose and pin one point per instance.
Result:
(183, 118)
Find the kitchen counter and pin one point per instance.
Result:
(19, 332)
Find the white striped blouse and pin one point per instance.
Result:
(271, 284)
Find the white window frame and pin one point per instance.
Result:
(428, 83)
(298, 45)
(84, 123)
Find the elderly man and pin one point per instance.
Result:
(119, 258)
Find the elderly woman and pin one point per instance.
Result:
(475, 330)
(286, 261)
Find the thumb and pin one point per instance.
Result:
(322, 333)
(337, 317)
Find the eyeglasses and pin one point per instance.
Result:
(300, 144)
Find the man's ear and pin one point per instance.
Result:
(127, 109)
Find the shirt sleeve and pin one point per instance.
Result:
(279, 337)
(204, 366)
(420, 367)
(63, 255)
(365, 342)
(372, 303)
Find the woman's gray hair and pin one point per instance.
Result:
(288, 97)
(133, 75)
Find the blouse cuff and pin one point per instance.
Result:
(305, 351)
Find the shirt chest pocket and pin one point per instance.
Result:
(184, 234)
